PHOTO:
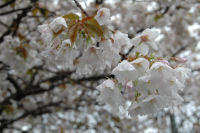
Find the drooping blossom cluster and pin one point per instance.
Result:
(142, 83)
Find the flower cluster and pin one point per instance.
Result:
(149, 87)
(88, 46)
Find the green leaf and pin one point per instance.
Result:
(93, 27)
(157, 17)
(93, 30)
(71, 16)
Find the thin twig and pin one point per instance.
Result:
(12, 11)
(80, 7)
(6, 4)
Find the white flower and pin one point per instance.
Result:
(103, 16)
(57, 24)
(121, 42)
(125, 72)
(162, 80)
(110, 53)
(146, 39)
(162, 69)
(160, 76)
(110, 95)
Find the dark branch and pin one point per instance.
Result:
(95, 78)
(13, 82)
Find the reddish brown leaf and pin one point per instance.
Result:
(73, 32)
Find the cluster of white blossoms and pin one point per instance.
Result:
(149, 87)
(149, 83)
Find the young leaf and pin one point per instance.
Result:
(35, 11)
(157, 17)
(70, 17)
(93, 29)
(93, 26)
(73, 32)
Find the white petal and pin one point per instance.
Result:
(152, 34)
(153, 44)
(57, 24)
